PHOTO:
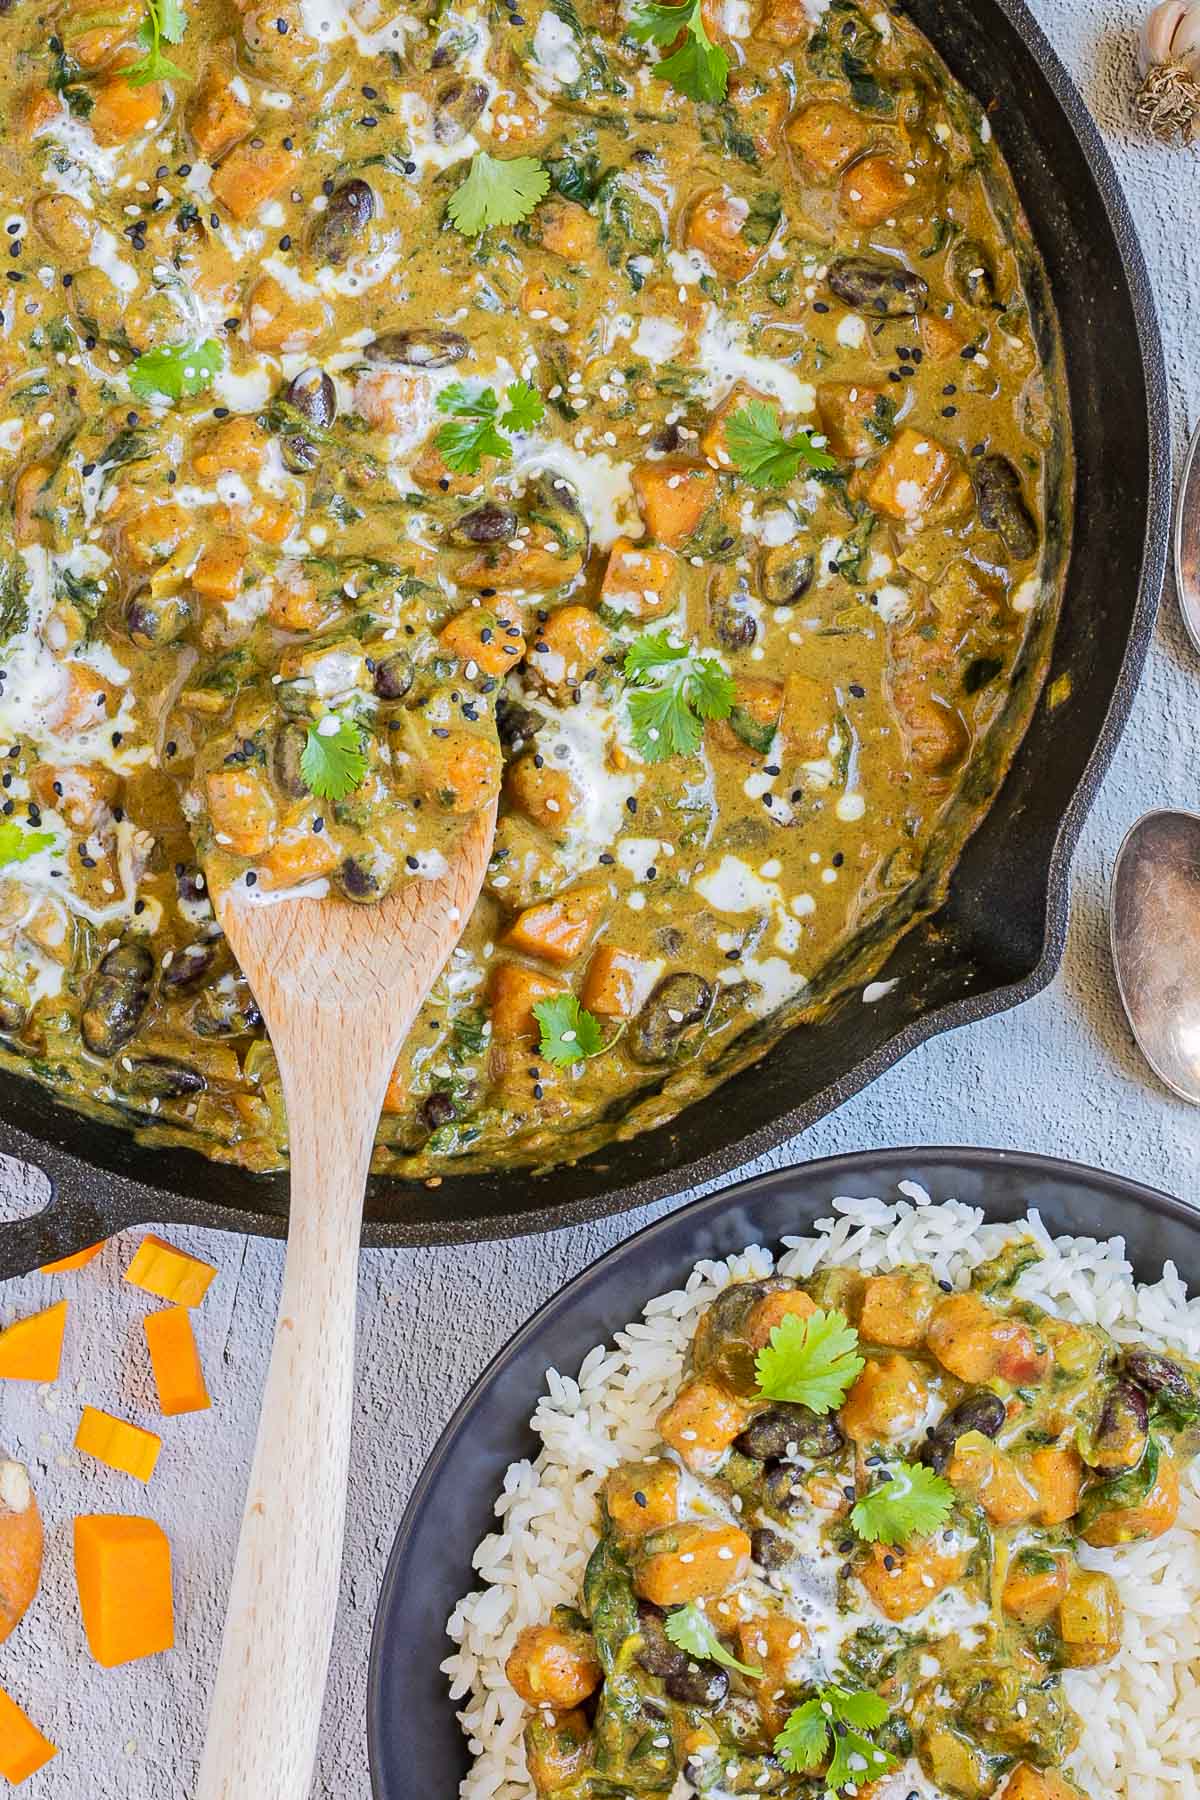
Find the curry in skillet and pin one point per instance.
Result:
(860, 1559)
(640, 414)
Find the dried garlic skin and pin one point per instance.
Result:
(1168, 101)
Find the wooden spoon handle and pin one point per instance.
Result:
(266, 1708)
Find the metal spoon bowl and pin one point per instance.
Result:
(1154, 921)
(1187, 543)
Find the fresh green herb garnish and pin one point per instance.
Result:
(768, 459)
(476, 428)
(833, 1725)
(689, 1629)
(913, 1503)
(699, 68)
(175, 372)
(17, 845)
(570, 1033)
(675, 692)
(165, 22)
(810, 1362)
(333, 761)
(497, 191)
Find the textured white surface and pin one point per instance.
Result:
(1061, 1075)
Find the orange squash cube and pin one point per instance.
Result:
(175, 1359)
(80, 1260)
(31, 1349)
(123, 1574)
(23, 1749)
(118, 1443)
(169, 1274)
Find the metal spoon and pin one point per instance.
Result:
(1187, 543)
(1154, 920)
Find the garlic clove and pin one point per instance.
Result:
(1185, 43)
(1158, 34)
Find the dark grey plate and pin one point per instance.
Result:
(415, 1744)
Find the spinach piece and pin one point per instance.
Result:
(766, 210)
(744, 725)
(1123, 1491)
(573, 166)
(14, 602)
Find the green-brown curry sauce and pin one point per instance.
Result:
(874, 1491)
(193, 584)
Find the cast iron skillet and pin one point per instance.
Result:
(414, 1740)
(998, 937)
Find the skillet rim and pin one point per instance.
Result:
(486, 1393)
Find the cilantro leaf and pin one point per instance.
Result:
(810, 1362)
(17, 845)
(689, 1629)
(912, 1504)
(758, 447)
(698, 68)
(333, 761)
(526, 408)
(802, 1743)
(833, 1717)
(497, 191)
(674, 692)
(570, 1034)
(472, 433)
(165, 21)
(181, 369)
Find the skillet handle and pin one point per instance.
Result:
(62, 1228)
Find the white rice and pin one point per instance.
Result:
(1141, 1712)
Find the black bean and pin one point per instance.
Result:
(157, 1077)
(785, 574)
(1121, 1436)
(117, 998)
(358, 880)
(774, 1433)
(490, 524)
(677, 1003)
(418, 348)
(188, 968)
(1160, 1376)
(769, 1550)
(982, 1412)
(1001, 502)
(437, 1109)
(156, 619)
(394, 676)
(878, 287)
(337, 231)
(457, 108)
(287, 752)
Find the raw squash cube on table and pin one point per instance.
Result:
(80, 1260)
(178, 1373)
(118, 1443)
(31, 1349)
(169, 1274)
(123, 1573)
(23, 1749)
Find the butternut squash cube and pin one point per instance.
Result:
(169, 1274)
(1028, 1783)
(249, 177)
(31, 1349)
(118, 1443)
(175, 1359)
(772, 1310)
(513, 992)
(123, 1573)
(688, 1562)
(557, 930)
(641, 580)
(702, 1421)
(23, 1749)
(80, 1260)
(874, 189)
(909, 477)
(1056, 1476)
(826, 136)
(715, 227)
(617, 982)
(673, 496)
(643, 1496)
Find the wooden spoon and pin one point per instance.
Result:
(338, 986)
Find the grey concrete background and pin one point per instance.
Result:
(1061, 1075)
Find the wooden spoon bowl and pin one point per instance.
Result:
(339, 987)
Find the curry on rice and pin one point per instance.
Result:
(647, 416)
